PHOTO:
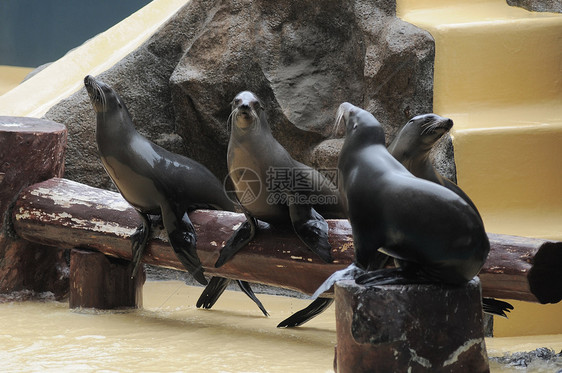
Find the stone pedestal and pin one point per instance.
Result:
(102, 282)
(411, 328)
(31, 150)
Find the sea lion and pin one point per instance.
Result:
(434, 234)
(279, 190)
(156, 182)
(412, 146)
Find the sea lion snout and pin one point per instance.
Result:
(88, 80)
(95, 93)
(342, 117)
(428, 123)
(89, 84)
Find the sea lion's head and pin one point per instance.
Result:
(428, 128)
(359, 125)
(246, 112)
(417, 137)
(102, 96)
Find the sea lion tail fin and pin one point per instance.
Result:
(320, 303)
(212, 292)
(351, 272)
(245, 287)
(314, 309)
(217, 286)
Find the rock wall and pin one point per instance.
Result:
(538, 5)
(302, 58)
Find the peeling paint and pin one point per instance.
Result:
(104, 198)
(22, 214)
(222, 214)
(296, 257)
(454, 357)
(214, 243)
(346, 246)
(95, 225)
(420, 360)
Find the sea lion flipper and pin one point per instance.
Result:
(139, 239)
(496, 307)
(350, 272)
(212, 292)
(217, 286)
(183, 238)
(314, 309)
(244, 234)
(321, 303)
(312, 229)
(245, 287)
(395, 276)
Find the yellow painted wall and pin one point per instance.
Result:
(11, 76)
(498, 75)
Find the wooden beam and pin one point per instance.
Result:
(67, 214)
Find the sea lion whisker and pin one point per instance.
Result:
(337, 123)
(429, 127)
(229, 120)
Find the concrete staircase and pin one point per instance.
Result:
(498, 75)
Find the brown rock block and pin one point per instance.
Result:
(410, 328)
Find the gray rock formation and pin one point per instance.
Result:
(302, 58)
(538, 5)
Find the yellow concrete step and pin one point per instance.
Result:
(498, 76)
(491, 54)
(514, 176)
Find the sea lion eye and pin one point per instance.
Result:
(355, 125)
(256, 105)
(236, 101)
